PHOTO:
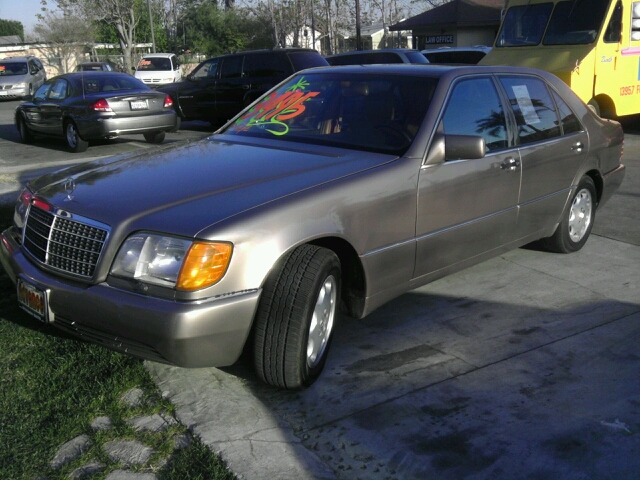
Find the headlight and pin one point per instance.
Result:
(20, 85)
(172, 262)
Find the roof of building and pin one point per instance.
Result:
(461, 13)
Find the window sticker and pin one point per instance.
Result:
(2, 68)
(275, 109)
(526, 106)
(145, 62)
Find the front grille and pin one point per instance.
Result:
(71, 246)
(6, 87)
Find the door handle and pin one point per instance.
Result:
(245, 87)
(510, 164)
(578, 146)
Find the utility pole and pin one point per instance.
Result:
(358, 35)
(153, 37)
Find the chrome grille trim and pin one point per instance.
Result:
(64, 242)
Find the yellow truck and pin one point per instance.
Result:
(592, 45)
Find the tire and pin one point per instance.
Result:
(75, 143)
(296, 317)
(154, 137)
(577, 221)
(25, 134)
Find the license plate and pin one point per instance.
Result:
(139, 105)
(33, 300)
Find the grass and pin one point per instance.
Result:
(52, 387)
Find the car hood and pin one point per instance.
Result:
(184, 189)
(13, 79)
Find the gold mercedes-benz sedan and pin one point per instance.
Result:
(341, 188)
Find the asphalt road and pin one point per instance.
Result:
(526, 366)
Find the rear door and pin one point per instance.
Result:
(469, 207)
(553, 144)
(197, 95)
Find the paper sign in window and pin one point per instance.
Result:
(526, 106)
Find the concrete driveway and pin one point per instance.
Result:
(526, 366)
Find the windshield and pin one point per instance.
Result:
(13, 68)
(154, 63)
(575, 22)
(524, 25)
(379, 113)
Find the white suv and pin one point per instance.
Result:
(157, 69)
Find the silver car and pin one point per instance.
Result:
(20, 77)
(341, 188)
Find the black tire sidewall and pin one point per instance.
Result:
(81, 145)
(331, 267)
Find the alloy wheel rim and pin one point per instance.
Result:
(322, 321)
(71, 135)
(580, 215)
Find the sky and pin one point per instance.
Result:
(24, 11)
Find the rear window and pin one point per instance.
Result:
(471, 57)
(302, 60)
(380, 113)
(109, 83)
(365, 58)
(13, 68)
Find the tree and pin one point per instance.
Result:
(67, 34)
(11, 27)
(119, 13)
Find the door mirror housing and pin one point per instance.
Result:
(464, 147)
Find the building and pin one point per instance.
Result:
(458, 23)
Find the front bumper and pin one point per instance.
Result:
(101, 127)
(13, 93)
(187, 334)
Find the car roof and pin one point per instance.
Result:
(158, 55)
(17, 59)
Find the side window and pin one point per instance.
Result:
(231, 67)
(534, 110)
(176, 62)
(570, 122)
(474, 108)
(41, 93)
(614, 28)
(206, 69)
(265, 66)
(38, 63)
(59, 90)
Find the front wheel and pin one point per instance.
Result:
(25, 134)
(577, 221)
(296, 317)
(75, 143)
(154, 137)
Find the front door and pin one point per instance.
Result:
(469, 207)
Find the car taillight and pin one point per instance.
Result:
(167, 101)
(101, 106)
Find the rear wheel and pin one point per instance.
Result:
(577, 221)
(154, 137)
(75, 142)
(296, 316)
(25, 134)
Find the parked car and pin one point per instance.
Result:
(456, 55)
(369, 57)
(20, 76)
(156, 69)
(343, 186)
(106, 66)
(86, 106)
(220, 87)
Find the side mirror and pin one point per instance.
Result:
(464, 147)
(133, 68)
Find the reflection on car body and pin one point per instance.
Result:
(90, 105)
(343, 186)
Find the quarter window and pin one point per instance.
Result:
(570, 122)
(474, 108)
(533, 107)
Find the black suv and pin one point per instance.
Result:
(220, 87)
